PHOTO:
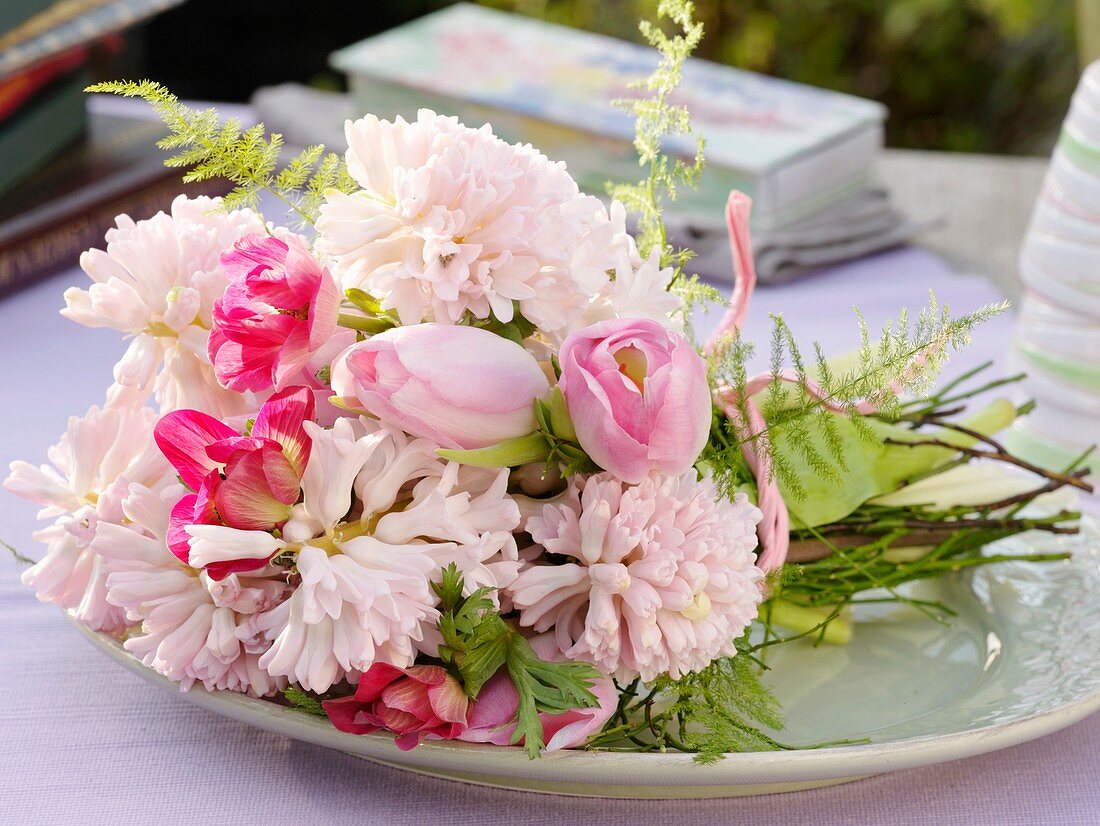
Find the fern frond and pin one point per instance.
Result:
(904, 359)
(248, 158)
(657, 119)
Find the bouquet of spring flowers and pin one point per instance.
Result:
(443, 460)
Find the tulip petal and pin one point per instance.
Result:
(183, 436)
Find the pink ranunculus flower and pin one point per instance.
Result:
(492, 716)
(248, 482)
(422, 701)
(280, 308)
(462, 387)
(638, 396)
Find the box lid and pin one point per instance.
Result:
(466, 52)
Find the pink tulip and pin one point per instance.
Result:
(638, 397)
(280, 307)
(492, 716)
(241, 481)
(422, 701)
(462, 387)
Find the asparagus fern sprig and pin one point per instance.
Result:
(208, 147)
(657, 121)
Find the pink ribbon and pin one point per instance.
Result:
(775, 526)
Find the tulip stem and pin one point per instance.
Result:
(370, 326)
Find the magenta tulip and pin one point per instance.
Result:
(462, 387)
(638, 397)
(280, 308)
(422, 701)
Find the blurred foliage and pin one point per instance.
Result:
(966, 75)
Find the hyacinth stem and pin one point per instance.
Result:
(807, 621)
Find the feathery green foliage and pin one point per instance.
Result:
(724, 708)
(304, 701)
(477, 643)
(803, 424)
(720, 709)
(211, 148)
(656, 121)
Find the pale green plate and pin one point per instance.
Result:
(1021, 660)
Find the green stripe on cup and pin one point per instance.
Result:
(1079, 373)
(1083, 154)
(1039, 451)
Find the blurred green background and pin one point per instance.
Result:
(964, 75)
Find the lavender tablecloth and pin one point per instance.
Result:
(82, 741)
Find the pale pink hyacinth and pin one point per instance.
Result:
(462, 387)
(183, 624)
(99, 455)
(638, 290)
(157, 282)
(452, 220)
(279, 310)
(660, 577)
(365, 594)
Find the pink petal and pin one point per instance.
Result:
(407, 742)
(177, 539)
(491, 716)
(183, 436)
(292, 356)
(345, 716)
(220, 570)
(410, 697)
(324, 311)
(449, 701)
(374, 679)
(225, 451)
(238, 367)
(281, 419)
(398, 721)
(244, 498)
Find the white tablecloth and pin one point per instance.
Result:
(82, 741)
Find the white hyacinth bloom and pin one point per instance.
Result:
(452, 220)
(157, 282)
(185, 625)
(99, 455)
(367, 561)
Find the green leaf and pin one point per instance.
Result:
(561, 424)
(551, 687)
(522, 450)
(871, 467)
(477, 643)
(364, 324)
(478, 665)
(364, 301)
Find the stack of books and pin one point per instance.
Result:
(802, 153)
(51, 153)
